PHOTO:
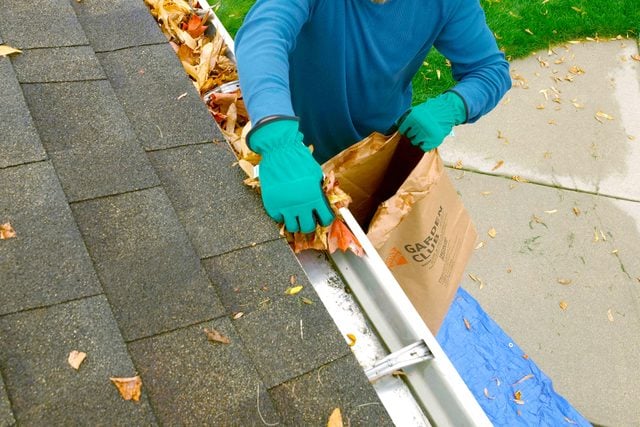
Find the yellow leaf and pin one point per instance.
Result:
(610, 315)
(335, 419)
(528, 31)
(492, 232)
(563, 305)
(352, 340)
(76, 358)
(518, 178)
(600, 115)
(7, 231)
(129, 388)
(458, 165)
(498, 165)
(8, 50)
(518, 395)
(292, 290)
(564, 281)
(215, 336)
(635, 57)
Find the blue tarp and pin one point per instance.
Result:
(508, 385)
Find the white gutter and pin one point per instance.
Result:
(382, 316)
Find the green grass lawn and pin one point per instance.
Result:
(520, 26)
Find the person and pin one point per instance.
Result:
(330, 72)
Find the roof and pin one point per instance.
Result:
(134, 234)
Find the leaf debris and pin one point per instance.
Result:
(564, 281)
(129, 388)
(6, 50)
(215, 336)
(292, 290)
(76, 358)
(335, 419)
(7, 231)
(563, 305)
(492, 232)
(352, 340)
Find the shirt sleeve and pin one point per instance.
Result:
(477, 64)
(263, 43)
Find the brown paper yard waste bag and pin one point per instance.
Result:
(420, 228)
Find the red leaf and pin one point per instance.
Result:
(340, 237)
(194, 27)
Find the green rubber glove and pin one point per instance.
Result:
(427, 124)
(290, 178)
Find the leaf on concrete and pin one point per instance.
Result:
(8, 50)
(215, 336)
(76, 358)
(564, 281)
(600, 115)
(335, 419)
(492, 232)
(563, 305)
(129, 388)
(610, 315)
(7, 231)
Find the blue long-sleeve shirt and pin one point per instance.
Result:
(344, 67)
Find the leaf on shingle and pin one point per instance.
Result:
(76, 358)
(7, 231)
(215, 336)
(129, 388)
(292, 290)
(335, 419)
(8, 50)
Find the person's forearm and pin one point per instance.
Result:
(263, 44)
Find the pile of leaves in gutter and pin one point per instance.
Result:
(204, 56)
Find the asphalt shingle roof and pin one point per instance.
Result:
(134, 234)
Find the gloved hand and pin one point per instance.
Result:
(427, 124)
(290, 178)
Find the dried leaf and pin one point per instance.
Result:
(498, 165)
(7, 231)
(237, 315)
(479, 245)
(486, 394)
(523, 379)
(352, 340)
(610, 315)
(8, 50)
(563, 305)
(76, 358)
(194, 26)
(335, 420)
(576, 70)
(467, 324)
(552, 211)
(458, 165)
(635, 57)
(129, 388)
(518, 178)
(306, 300)
(293, 279)
(215, 336)
(341, 237)
(292, 290)
(517, 395)
(492, 233)
(600, 115)
(564, 281)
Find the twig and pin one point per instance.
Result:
(260, 413)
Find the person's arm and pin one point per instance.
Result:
(263, 44)
(477, 64)
(290, 178)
